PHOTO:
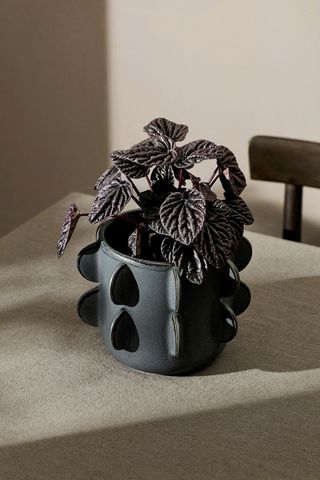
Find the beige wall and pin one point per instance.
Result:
(52, 102)
(229, 69)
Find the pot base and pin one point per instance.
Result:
(184, 372)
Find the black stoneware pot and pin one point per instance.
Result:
(150, 318)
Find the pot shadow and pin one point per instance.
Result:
(278, 333)
(271, 439)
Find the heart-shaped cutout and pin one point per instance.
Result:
(124, 334)
(124, 289)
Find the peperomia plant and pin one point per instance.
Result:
(180, 219)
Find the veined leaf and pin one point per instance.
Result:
(164, 127)
(203, 187)
(110, 200)
(182, 215)
(132, 242)
(162, 179)
(139, 243)
(206, 191)
(107, 177)
(215, 207)
(152, 152)
(213, 242)
(156, 225)
(239, 206)
(167, 249)
(236, 230)
(69, 224)
(195, 152)
(230, 174)
(151, 202)
(123, 160)
(196, 267)
(163, 172)
(186, 258)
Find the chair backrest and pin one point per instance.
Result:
(293, 162)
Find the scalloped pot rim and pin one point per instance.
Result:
(100, 235)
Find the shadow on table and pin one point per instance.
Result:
(279, 331)
(267, 440)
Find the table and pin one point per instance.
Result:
(68, 410)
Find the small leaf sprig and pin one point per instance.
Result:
(180, 220)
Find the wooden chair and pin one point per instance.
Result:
(293, 162)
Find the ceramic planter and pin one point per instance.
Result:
(150, 318)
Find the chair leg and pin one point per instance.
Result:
(292, 213)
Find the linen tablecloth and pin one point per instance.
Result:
(68, 410)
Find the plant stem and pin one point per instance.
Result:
(134, 198)
(213, 181)
(142, 242)
(133, 186)
(181, 178)
(149, 182)
(138, 242)
(213, 174)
